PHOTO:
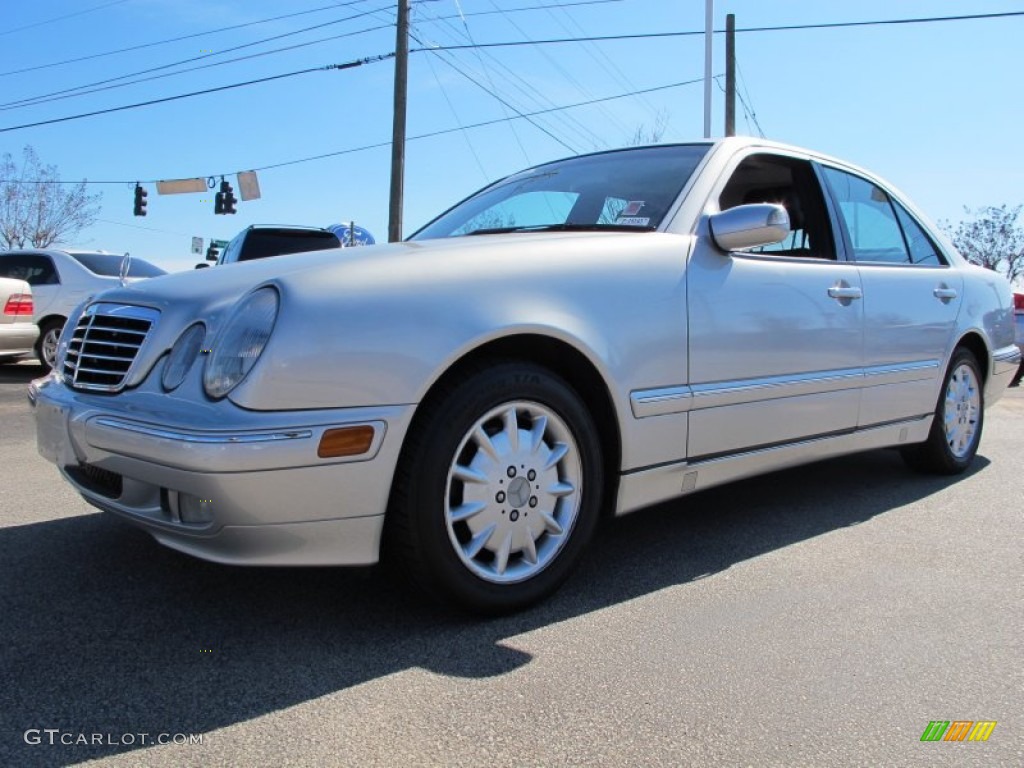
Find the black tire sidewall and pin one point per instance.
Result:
(942, 457)
(445, 573)
(44, 329)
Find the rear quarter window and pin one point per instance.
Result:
(260, 244)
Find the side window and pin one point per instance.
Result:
(870, 220)
(33, 269)
(922, 249)
(792, 184)
(879, 228)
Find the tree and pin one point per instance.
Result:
(644, 135)
(36, 210)
(993, 239)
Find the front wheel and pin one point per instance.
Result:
(498, 489)
(46, 345)
(959, 416)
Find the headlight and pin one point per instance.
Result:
(183, 354)
(241, 341)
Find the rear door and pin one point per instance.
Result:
(911, 299)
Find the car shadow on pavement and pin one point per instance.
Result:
(107, 632)
(25, 371)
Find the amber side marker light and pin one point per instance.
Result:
(345, 441)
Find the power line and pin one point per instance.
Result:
(381, 57)
(61, 18)
(527, 90)
(380, 144)
(67, 92)
(4, 108)
(139, 226)
(691, 33)
(86, 89)
(484, 123)
(346, 65)
(507, 105)
(192, 36)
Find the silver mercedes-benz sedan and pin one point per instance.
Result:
(596, 334)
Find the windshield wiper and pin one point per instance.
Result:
(562, 228)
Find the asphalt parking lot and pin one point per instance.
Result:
(821, 616)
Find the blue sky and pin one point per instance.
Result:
(936, 109)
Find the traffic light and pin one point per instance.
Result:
(225, 200)
(229, 201)
(140, 201)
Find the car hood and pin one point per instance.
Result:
(347, 268)
(332, 299)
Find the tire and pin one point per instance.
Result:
(498, 489)
(959, 418)
(46, 344)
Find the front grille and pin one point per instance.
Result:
(98, 480)
(104, 344)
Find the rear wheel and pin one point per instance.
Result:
(498, 489)
(959, 417)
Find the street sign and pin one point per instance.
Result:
(351, 234)
(219, 243)
(248, 185)
(197, 246)
(179, 186)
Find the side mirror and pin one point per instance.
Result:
(748, 226)
(202, 265)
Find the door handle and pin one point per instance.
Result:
(944, 293)
(845, 292)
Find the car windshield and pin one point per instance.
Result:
(109, 265)
(630, 189)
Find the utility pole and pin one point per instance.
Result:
(398, 126)
(730, 74)
(709, 15)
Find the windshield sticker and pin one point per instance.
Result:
(633, 221)
(632, 208)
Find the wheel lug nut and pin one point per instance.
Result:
(500, 498)
(531, 475)
(511, 472)
(533, 501)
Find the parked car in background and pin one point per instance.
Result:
(601, 333)
(18, 333)
(63, 278)
(1018, 311)
(261, 241)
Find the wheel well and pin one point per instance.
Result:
(567, 362)
(974, 343)
(43, 321)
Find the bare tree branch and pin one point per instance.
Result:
(35, 209)
(993, 239)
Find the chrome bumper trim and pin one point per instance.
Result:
(209, 438)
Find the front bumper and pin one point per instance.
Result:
(268, 498)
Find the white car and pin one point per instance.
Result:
(590, 336)
(63, 279)
(17, 331)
